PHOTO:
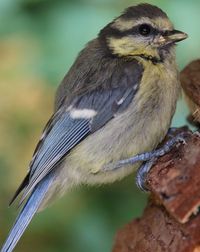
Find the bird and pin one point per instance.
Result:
(116, 102)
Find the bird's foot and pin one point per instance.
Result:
(171, 132)
(141, 174)
(148, 158)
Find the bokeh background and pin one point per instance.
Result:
(39, 40)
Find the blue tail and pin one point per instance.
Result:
(27, 213)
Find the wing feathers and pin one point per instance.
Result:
(55, 152)
(27, 214)
(63, 131)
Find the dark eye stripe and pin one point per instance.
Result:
(113, 32)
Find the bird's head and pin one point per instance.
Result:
(143, 30)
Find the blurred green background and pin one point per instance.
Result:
(39, 40)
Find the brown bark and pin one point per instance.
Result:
(190, 81)
(170, 222)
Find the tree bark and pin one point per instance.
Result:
(190, 81)
(170, 222)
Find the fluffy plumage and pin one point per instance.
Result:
(116, 101)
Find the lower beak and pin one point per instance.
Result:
(169, 37)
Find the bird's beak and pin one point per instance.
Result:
(169, 37)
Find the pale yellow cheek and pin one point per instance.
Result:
(122, 46)
(127, 46)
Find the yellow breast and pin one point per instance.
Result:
(139, 129)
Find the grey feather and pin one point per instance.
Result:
(63, 136)
(96, 69)
(27, 213)
(107, 95)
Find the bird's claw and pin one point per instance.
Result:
(141, 175)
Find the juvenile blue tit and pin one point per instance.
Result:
(116, 102)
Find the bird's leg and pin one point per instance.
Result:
(147, 157)
(146, 166)
(142, 174)
(171, 132)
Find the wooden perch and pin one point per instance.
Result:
(175, 179)
(170, 222)
(190, 81)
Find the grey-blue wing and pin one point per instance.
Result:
(68, 131)
(64, 130)
(105, 103)
(59, 138)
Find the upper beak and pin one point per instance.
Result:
(169, 37)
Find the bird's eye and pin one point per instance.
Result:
(144, 29)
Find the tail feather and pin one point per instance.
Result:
(20, 189)
(27, 213)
